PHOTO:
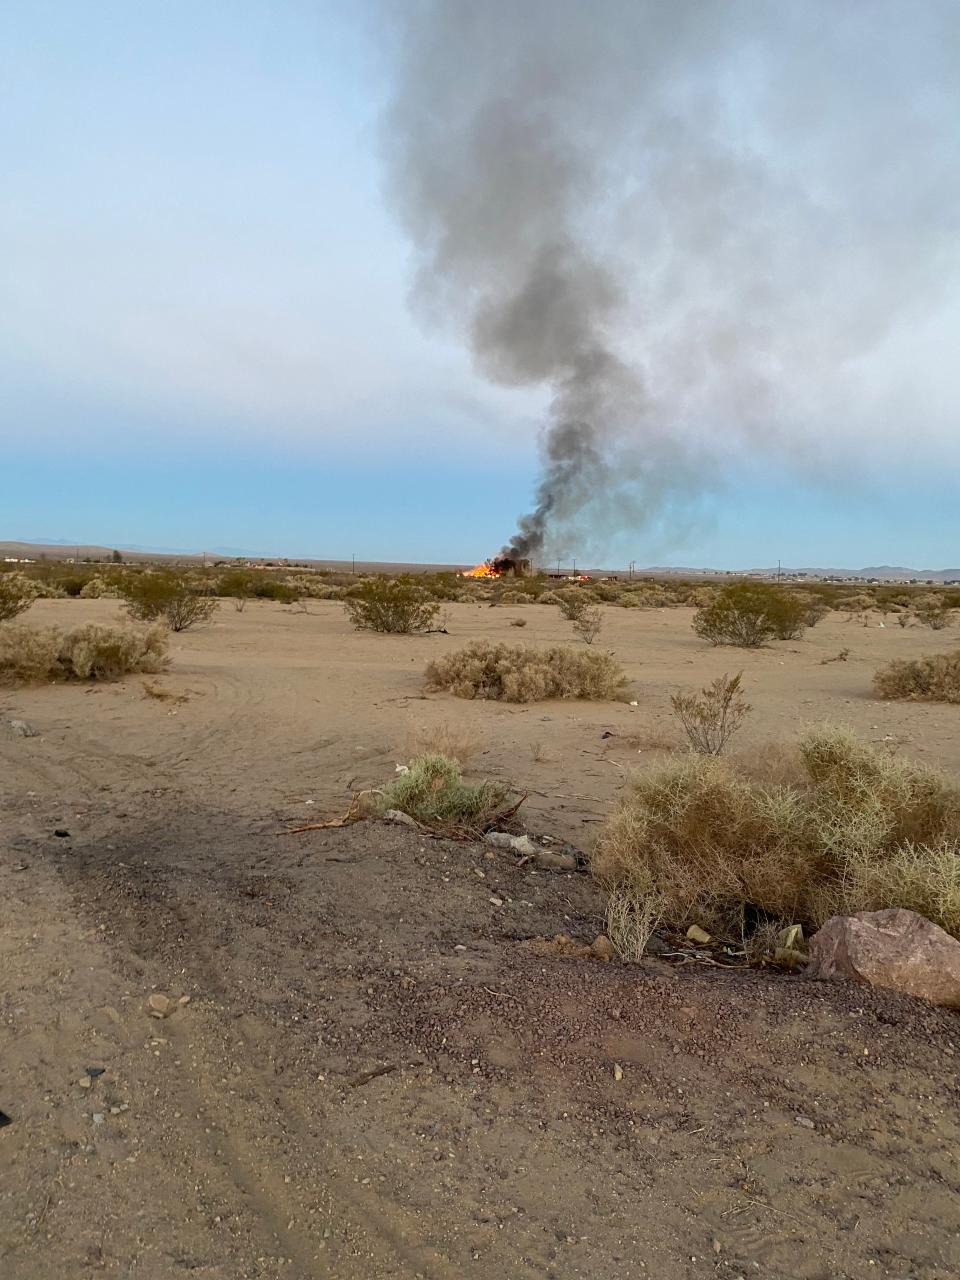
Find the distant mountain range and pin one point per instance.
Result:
(63, 549)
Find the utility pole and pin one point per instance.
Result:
(632, 563)
(353, 562)
(574, 566)
(558, 568)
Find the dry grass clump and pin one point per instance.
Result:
(935, 678)
(90, 652)
(509, 674)
(445, 740)
(860, 830)
(433, 792)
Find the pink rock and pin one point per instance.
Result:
(896, 949)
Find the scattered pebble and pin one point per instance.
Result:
(160, 1006)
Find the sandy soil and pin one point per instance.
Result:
(763, 1125)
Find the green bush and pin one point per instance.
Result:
(238, 586)
(434, 793)
(390, 606)
(166, 596)
(935, 678)
(508, 674)
(749, 614)
(860, 830)
(272, 589)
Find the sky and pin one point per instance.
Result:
(211, 337)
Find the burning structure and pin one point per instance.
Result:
(500, 567)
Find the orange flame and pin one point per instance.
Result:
(485, 570)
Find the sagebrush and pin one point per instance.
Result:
(859, 830)
(935, 678)
(514, 674)
(89, 652)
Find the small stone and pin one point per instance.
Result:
(160, 1006)
(85, 1082)
(496, 902)
(602, 947)
(21, 729)
(184, 1000)
(397, 815)
(617, 1072)
(98, 1117)
(805, 1122)
(698, 935)
(459, 947)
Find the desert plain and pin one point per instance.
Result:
(369, 1063)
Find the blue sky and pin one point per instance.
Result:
(206, 338)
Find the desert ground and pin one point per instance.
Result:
(377, 1070)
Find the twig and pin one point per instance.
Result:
(374, 1073)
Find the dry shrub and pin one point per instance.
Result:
(100, 588)
(631, 919)
(90, 652)
(433, 791)
(27, 653)
(589, 624)
(518, 622)
(712, 716)
(163, 595)
(445, 740)
(17, 594)
(935, 678)
(573, 602)
(861, 830)
(509, 674)
(749, 614)
(390, 607)
(95, 652)
(933, 611)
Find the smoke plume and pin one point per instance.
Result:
(701, 227)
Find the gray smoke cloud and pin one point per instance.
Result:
(693, 223)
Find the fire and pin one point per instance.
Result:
(485, 570)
